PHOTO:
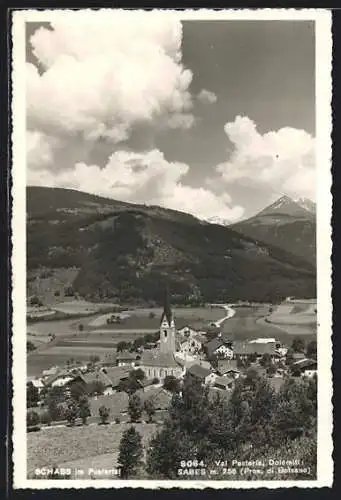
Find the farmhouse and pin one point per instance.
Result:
(37, 383)
(202, 374)
(189, 331)
(219, 347)
(58, 380)
(245, 350)
(126, 358)
(307, 367)
(227, 367)
(86, 380)
(191, 345)
(160, 362)
(158, 395)
(225, 383)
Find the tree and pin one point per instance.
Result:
(171, 383)
(271, 370)
(135, 408)
(155, 380)
(265, 360)
(80, 327)
(72, 412)
(104, 413)
(151, 315)
(123, 346)
(94, 358)
(312, 349)
(298, 345)
(137, 374)
(77, 390)
(149, 408)
(32, 395)
(95, 388)
(84, 409)
(32, 419)
(30, 346)
(130, 452)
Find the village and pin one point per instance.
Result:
(153, 369)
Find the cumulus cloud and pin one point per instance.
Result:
(143, 178)
(206, 96)
(283, 159)
(102, 77)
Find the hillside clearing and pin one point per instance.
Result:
(61, 445)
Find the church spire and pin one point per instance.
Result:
(167, 312)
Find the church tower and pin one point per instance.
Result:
(167, 327)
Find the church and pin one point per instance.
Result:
(161, 362)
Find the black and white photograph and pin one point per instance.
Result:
(171, 248)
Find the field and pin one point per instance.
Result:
(252, 322)
(96, 337)
(79, 446)
(295, 317)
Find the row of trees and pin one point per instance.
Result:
(255, 424)
(149, 338)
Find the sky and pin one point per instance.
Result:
(214, 118)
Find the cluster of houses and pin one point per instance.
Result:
(216, 363)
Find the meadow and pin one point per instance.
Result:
(79, 446)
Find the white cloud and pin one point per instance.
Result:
(283, 159)
(103, 76)
(206, 96)
(143, 178)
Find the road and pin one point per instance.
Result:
(229, 313)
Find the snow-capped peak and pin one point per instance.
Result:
(307, 204)
(215, 219)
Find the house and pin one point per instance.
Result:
(219, 347)
(50, 371)
(297, 356)
(37, 383)
(202, 374)
(60, 379)
(88, 380)
(244, 350)
(190, 345)
(228, 367)
(225, 383)
(160, 397)
(189, 330)
(307, 367)
(126, 358)
(116, 374)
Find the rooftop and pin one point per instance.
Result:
(156, 358)
(242, 348)
(198, 371)
(226, 365)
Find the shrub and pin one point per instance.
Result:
(104, 413)
(32, 418)
(45, 418)
(117, 420)
(155, 380)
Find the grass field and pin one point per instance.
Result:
(249, 323)
(79, 445)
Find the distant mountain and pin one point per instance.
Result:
(307, 204)
(287, 224)
(120, 251)
(218, 220)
